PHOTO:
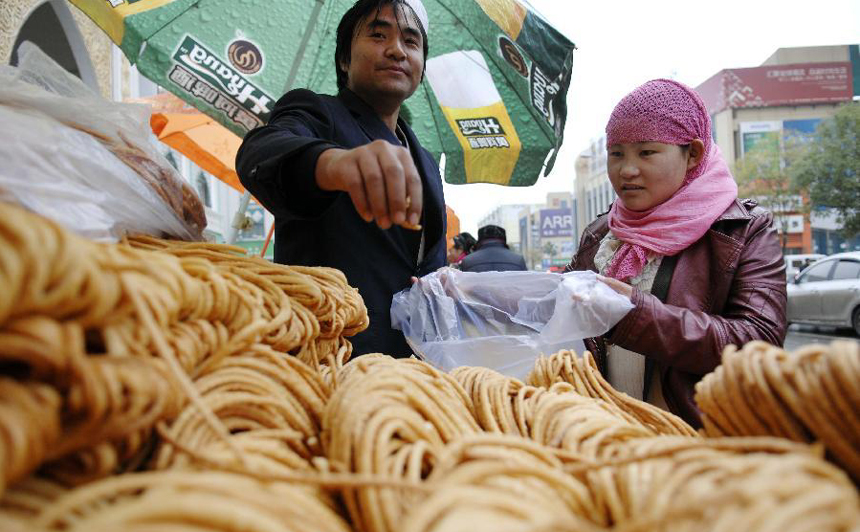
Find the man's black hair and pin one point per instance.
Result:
(350, 21)
(491, 232)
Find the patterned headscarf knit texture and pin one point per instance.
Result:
(666, 111)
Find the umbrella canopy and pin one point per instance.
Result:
(199, 137)
(493, 101)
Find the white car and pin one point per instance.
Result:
(827, 292)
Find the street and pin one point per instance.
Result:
(800, 335)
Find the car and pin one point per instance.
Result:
(827, 292)
(795, 264)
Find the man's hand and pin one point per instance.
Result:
(380, 178)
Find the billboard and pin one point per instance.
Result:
(764, 86)
(760, 135)
(799, 131)
(768, 134)
(556, 223)
(804, 127)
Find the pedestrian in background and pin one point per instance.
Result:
(703, 268)
(461, 245)
(492, 253)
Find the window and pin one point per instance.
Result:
(203, 189)
(847, 269)
(819, 272)
(172, 159)
(797, 264)
(737, 143)
(257, 230)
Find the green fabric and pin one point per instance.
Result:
(267, 34)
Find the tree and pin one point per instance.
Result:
(762, 174)
(550, 250)
(534, 257)
(830, 167)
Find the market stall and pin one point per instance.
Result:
(152, 381)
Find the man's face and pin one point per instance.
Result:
(387, 57)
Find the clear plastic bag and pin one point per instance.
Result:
(503, 320)
(84, 161)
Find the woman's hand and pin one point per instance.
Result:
(619, 286)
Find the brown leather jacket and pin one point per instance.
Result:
(727, 288)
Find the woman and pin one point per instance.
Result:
(463, 244)
(703, 268)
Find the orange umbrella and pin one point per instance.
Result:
(210, 145)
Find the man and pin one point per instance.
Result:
(492, 253)
(349, 184)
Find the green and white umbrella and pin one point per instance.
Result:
(493, 101)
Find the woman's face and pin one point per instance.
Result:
(454, 253)
(645, 174)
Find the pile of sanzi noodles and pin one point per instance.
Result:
(165, 386)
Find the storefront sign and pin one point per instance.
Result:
(556, 223)
(767, 86)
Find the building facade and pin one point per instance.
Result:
(546, 232)
(592, 190)
(786, 97)
(71, 39)
(772, 105)
(508, 218)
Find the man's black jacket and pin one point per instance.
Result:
(493, 256)
(276, 163)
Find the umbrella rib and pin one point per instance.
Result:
(193, 5)
(313, 24)
(318, 72)
(439, 131)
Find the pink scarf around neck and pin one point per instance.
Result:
(675, 224)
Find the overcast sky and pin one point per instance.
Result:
(622, 44)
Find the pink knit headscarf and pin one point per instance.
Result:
(666, 111)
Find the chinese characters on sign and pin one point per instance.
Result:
(798, 84)
(201, 74)
(484, 133)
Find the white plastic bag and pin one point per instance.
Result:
(88, 163)
(503, 320)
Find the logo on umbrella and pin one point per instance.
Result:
(484, 133)
(207, 77)
(513, 56)
(245, 56)
(544, 93)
